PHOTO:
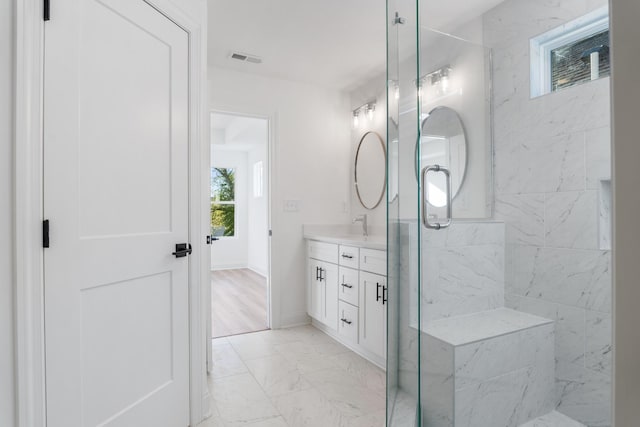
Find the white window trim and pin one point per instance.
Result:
(541, 46)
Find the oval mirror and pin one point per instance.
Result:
(443, 142)
(370, 170)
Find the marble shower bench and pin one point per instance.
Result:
(496, 365)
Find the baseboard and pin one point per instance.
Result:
(295, 319)
(257, 271)
(229, 267)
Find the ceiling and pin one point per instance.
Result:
(237, 133)
(331, 43)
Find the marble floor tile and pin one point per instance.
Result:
(372, 420)
(366, 372)
(307, 408)
(212, 422)
(271, 422)
(234, 389)
(553, 419)
(247, 413)
(253, 346)
(297, 377)
(226, 361)
(345, 393)
(276, 375)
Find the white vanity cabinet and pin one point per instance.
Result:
(323, 292)
(373, 313)
(345, 295)
(322, 288)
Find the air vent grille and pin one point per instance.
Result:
(244, 57)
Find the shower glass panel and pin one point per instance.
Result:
(403, 339)
(498, 215)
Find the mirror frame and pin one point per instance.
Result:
(355, 170)
(466, 143)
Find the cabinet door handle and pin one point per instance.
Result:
(321, 276)
(384, 295)
(345, 285)
(317, 273)
(347, 256)
(378, 291)
(348, 322)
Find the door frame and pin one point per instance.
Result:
(28, 215)
(270, 119)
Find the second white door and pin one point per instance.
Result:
(116, 185)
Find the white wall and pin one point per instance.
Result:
(231, 252)
(258, 221)
(311, 155)
(6, 213)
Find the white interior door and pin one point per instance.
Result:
(116, 194)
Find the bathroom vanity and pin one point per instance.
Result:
(347, 290)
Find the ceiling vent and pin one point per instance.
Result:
(244, 57)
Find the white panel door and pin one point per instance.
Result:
(116, 193)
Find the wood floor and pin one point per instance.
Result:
(238, 302)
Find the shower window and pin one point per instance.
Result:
(571, 54)
(580, 61)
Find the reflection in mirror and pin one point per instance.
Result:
(443, 142)
(370, 170)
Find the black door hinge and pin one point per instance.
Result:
(46, 10)
(45, 233)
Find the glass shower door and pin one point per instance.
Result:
(403, 337)
(498, 215)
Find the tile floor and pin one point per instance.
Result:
(297, 377)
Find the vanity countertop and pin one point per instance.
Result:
(345, 236)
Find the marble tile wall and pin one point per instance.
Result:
(462, 269)
(550, 155)
(503, 380)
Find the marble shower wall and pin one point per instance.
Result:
(550, 155)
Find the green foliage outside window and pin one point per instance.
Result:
(223, 202)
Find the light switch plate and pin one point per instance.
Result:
(292, 205)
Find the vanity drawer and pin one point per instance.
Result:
(323, 251)
(373, 261)
(348, 321)
(348, 285)
(349, 256)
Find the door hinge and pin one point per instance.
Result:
(46, 10)
(270, 233)
(45, 233)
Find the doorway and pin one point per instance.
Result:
(239, 224)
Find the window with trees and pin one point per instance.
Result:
(223, 204)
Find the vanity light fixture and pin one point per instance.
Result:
(439, 77)
(367, 109)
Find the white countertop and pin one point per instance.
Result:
(344, 235)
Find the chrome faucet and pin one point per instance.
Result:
(363, 220)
